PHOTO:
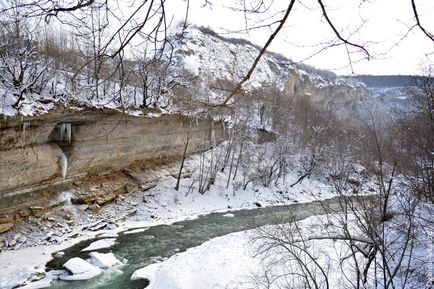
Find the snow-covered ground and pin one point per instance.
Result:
(235, 261)
(232, 261)
(224, 258)
(201, 62)
(223, 262)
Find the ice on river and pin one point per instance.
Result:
(46, 281)
(108, 234)
(135, 231)
(80, 269)
(100, 244)
(103, 261)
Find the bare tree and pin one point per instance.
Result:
(184, 155)
(285, 246)
(147, 22)
(23, 69)
(379, 236)
(155, 80)
(416, 136)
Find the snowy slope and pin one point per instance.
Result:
(205, 65)
(213, 58)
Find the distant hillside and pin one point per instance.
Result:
(280, 58)
(388, 80)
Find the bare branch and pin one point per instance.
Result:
(261, 53)
(80, 5)
(344, 40)
(419, 24)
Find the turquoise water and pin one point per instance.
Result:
(159, 242)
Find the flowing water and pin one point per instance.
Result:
(159, 242)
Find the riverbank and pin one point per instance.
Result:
(160, 205)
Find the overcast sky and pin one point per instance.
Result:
(378, 24)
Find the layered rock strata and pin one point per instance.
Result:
(39, 154)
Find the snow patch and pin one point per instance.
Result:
(135, 231)
(109, 234)
(46, 281)
(80, 269)
(103, 261)
(223, 266)
(100, 244)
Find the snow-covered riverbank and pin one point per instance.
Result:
(225, 262)
(225, 256)
(229, 262)
(166, 206)
(277, 256)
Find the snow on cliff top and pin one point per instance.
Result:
(201, 53)
(210, 56)
(213, 58)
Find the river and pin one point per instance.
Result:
(163, 241)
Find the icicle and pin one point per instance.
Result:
(65, 129)
(61, 129)
(213, 134)
(68, 132)
(25, 125)
(63, 162)
(197, 122)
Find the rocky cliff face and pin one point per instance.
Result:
(219, 62)
(339, 96)
(38, 154)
